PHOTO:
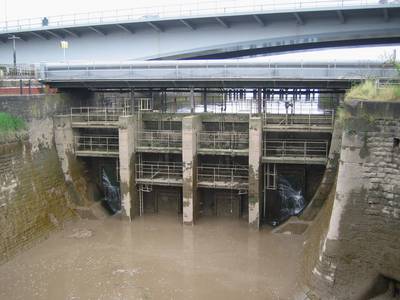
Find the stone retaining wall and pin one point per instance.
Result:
(363, 240)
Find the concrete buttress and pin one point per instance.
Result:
(255, 155)
(127, 125)
(190, 127)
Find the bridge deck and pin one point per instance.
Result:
(211, 73)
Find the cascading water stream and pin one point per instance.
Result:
(111, 194)
(292, 201)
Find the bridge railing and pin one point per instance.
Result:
(215, 70)
(296, 148)
(158, 171)
(21, 71)
(223, 176)
(326, 119)
(90, 114)
(184, 10)
(103, 144)
(166, 139)
(223, 140)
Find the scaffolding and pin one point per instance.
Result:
(296, 148)
(270, 175)
(159, 139)
(104, 116)
(96, 145)
(159, 173)
(223, 176)
(143, 104)
(223, 140)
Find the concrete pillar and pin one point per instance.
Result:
(64, 140)
(255, 155)
(190, 127)
(129, 199)
(205, 99)
(192, 104)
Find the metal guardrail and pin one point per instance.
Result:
(214, 70)
(103, 144)
(225, 176)
(98, 114)
(381, 84)
(167, 139)
(184, 10)
(21, 71)
(223, 140)
(309, 120)
(159, 172)
(296, 148)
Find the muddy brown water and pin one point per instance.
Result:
(155, 257)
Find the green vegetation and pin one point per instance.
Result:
(370, 91)
(12, 128)
(10, 124)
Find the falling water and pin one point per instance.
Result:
(292, 201)
(111, 194)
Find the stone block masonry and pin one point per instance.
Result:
(363, 239)
(34, 197)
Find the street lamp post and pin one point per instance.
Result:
(64, 45)
(14, 38)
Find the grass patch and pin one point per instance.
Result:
(12, 128)
(10, 124)
(370, 92)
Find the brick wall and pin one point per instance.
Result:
(363, 239)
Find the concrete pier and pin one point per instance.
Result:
(129, 197)
(190, 127)
(64, 140)
(255, 155)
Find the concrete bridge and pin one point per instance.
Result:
(208, 30)
(213, 73)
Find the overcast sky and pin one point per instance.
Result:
(21, 9)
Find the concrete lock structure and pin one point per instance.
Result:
(201, 152)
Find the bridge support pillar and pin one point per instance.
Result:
(205, 99)
(129, 199)
(190, 127)
(255, 155)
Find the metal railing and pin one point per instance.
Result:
(215, 70)
(223, 176)
(98, 114)
(223, 140)
(159, 172)
(382, 84)
(184, 10)
(21, 71)
(296, 148)
(166, 139)
(326, 119)
(103, 144)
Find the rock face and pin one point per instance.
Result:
(34, 198)
(363, 239)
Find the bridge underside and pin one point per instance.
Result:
(226, 36)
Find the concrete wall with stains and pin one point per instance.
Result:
(191, 125)
(34, 198)
(363, 239)
(255, 186)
